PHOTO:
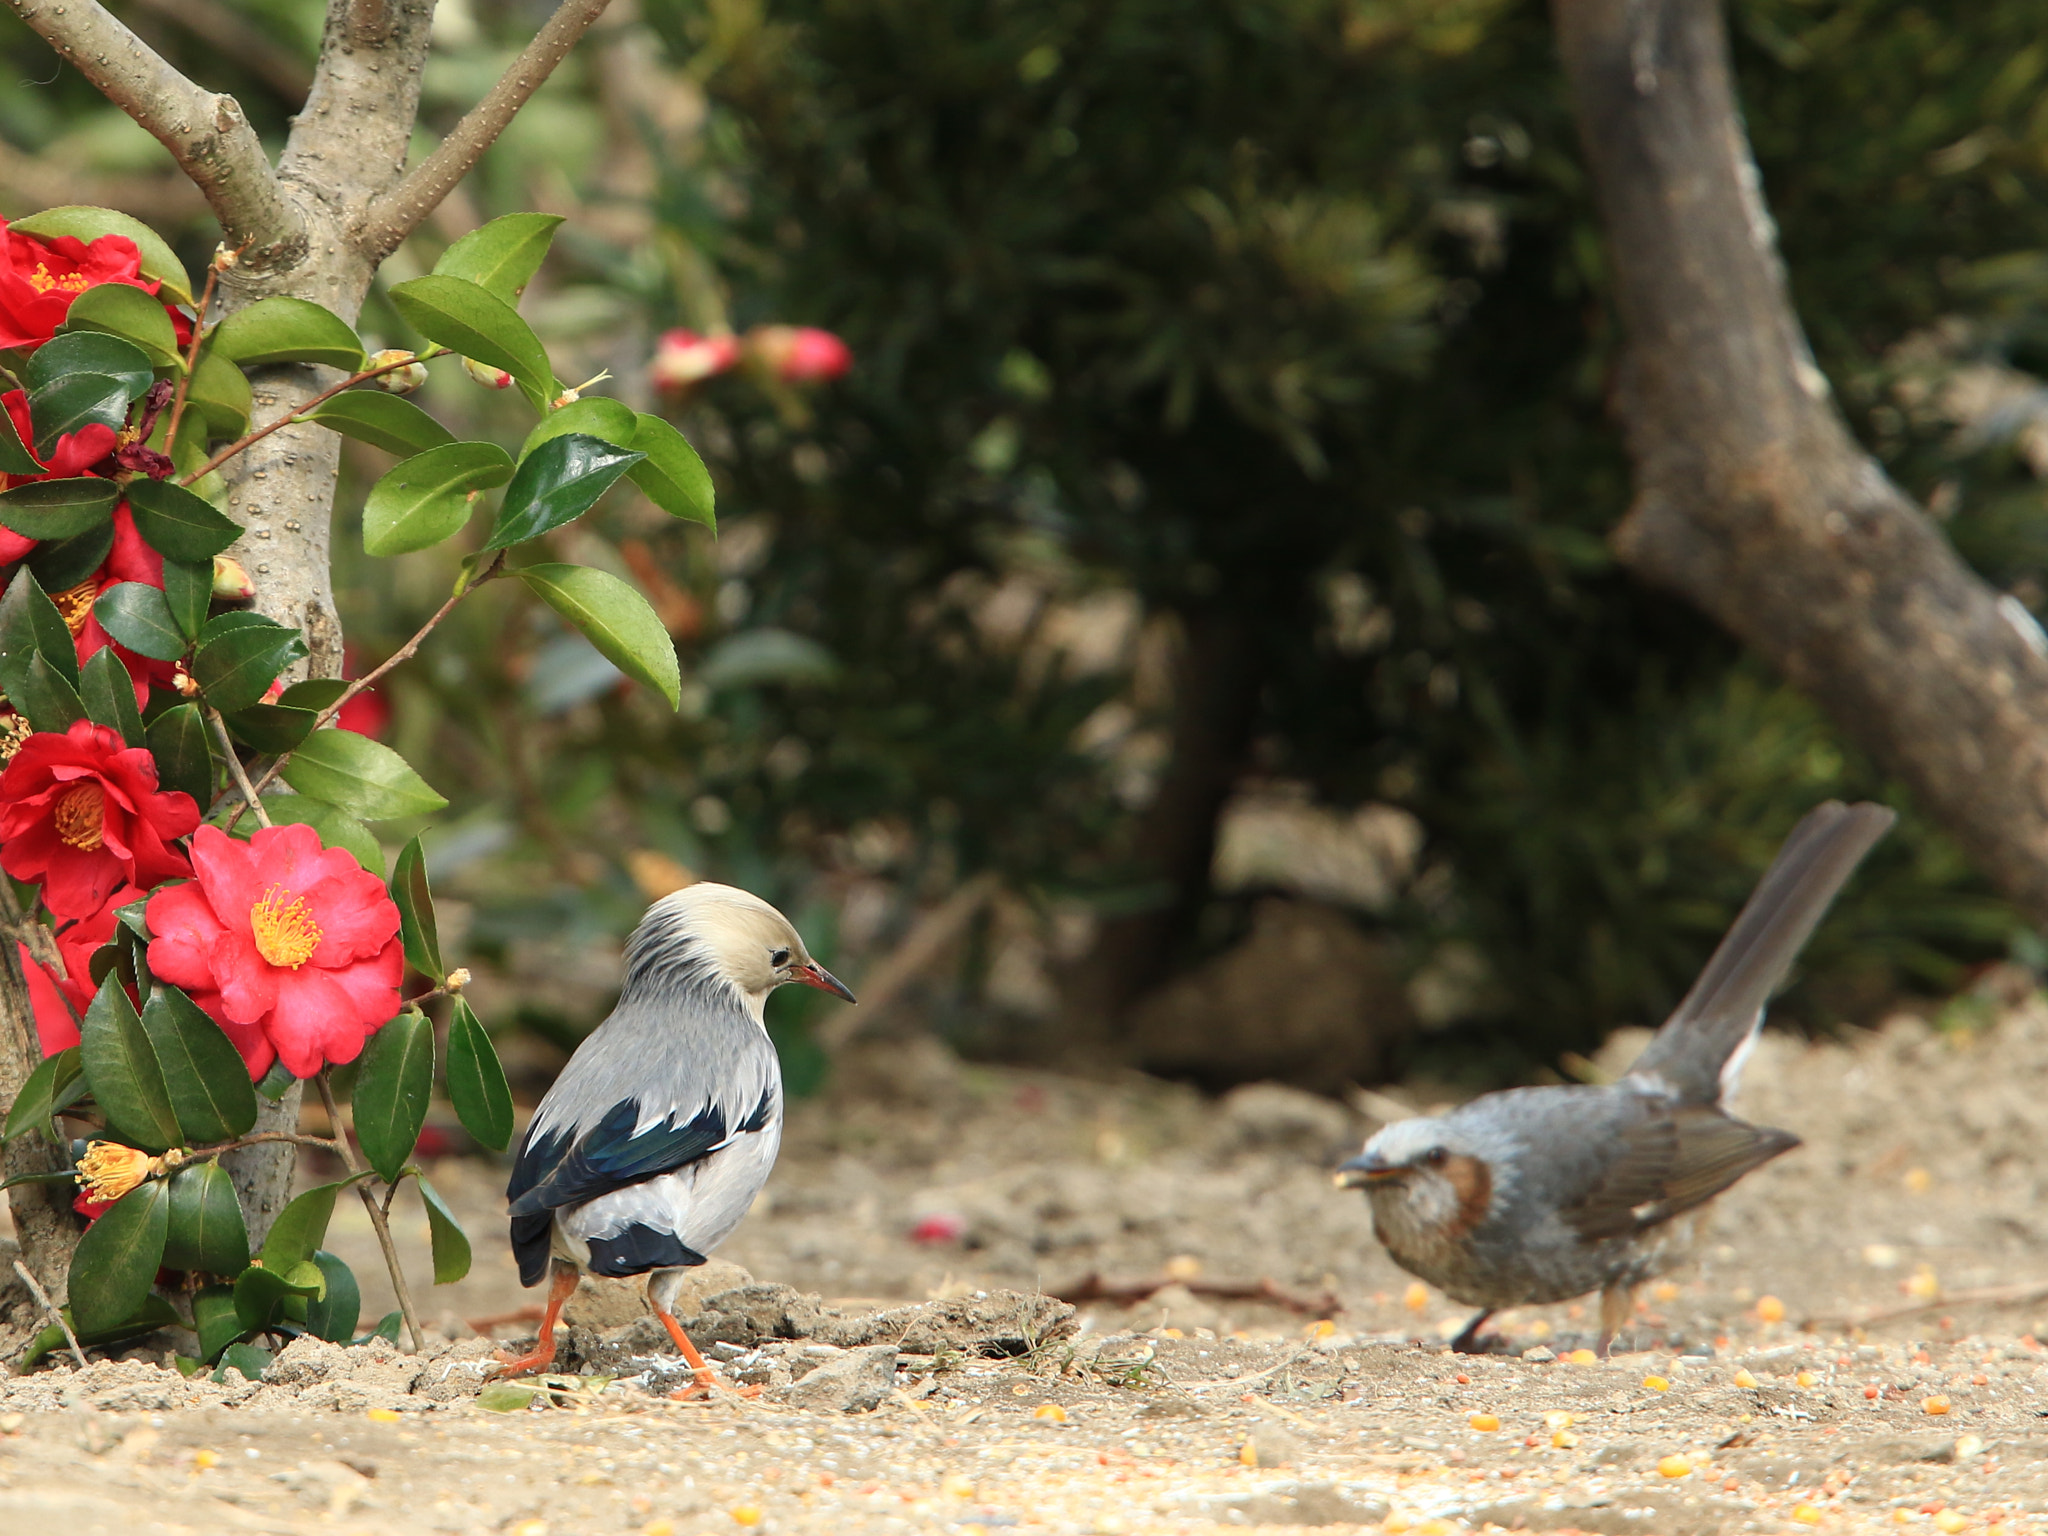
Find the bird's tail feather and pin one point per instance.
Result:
(1719, 1014)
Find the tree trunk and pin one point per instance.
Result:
(1752, 498)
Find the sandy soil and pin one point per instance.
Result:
(1782, 1386)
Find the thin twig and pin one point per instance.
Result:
(241, 774)
(377, 1216)
(192, 353)
(1093, 1287)
(324, 1143)
(53, 1309)
(394, 215)
(296, 413)
(2020, 1295)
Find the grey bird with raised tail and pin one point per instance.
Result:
(1537, 1195)
(661, 1130)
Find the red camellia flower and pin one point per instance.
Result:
(40, 278)
(800, 354)
(292, 947)
(60, 1000)
(683, 357)
(81, 813)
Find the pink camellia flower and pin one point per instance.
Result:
(292, 947)
(800, 354)
(682, 358)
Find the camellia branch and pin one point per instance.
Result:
(206, 134)
(213, 271)
(53, 1309)
(396, 213)
(377, 1216)
(297, 412)
(241, 774)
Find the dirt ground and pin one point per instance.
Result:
(1895, 1265)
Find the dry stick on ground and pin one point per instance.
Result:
(378, 1218)
(56, 1312)
(1093, 1287)
(1752, 498)
(1984, 1296)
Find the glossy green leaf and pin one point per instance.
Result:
(41, 1093)
(58, 509)
(559, 481)
(188, 591)
(475, 322)
(424, 500)
(82, 379)
(139, 616)
(179, 524)
(109, 696)
(152, 1316)
(387, 1328)
(30, 625)
(450, 1243)
(82, 222)
(61, 564)
(614, 618)
(215, 1319)
(261, 1294)
(116, 1261)
(363, 777)
(47, 698)
(300, 1228)
(250, 1361)
(203, 1072)
(476, 1080)
(336, 827)
(218, 395)
(179, 741)
(315, 693)
(205, 1231)
(132, 315)
(503, 255)
(416, 911)
(273, 728)
(287, 330)
(122, 1067)
(672, 476)
(393, 1084)
(597, 417)
(235, 668)
(333, 1317)
(390, 422)
(74, 403)
(15, 459)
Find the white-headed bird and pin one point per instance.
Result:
(651, 1145)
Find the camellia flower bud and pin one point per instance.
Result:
(800, 354)
(231, 582)
(682, 358)
(400, 381)
(457, 979)
(109, 1170)
(484, 374)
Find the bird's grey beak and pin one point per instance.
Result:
(815, 975)
(1364, 1169)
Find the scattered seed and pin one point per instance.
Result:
(1657, 1383)
(1936, 1404)
(1770, 1310)
(1564, 1440)
(1052, 1412)
(1557, 1418)
(1416, 1297)
(1807, 1379)
(1583, 1357)
(1745, 1381)
(1485, 1423)
(747, 1514)
(1673, 1466)
(1951, 1522)
(1806, 1514)
(383, 1415)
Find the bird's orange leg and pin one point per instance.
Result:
(705, 1381)
(543, 1351)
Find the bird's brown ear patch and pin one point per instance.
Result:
(1473, 1181)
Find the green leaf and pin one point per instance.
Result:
(450, 1244)
(15, 459)
(387, 1328)
(425, 499)
(250, 1361)
(139, 616)
(333, 1317)
(236, 667)
(58, 509)
(218, 393)
(179, 524)
(73, 403)
(390, 422)
(272, 728)
(363, 777)
(503, 255)
(672, 476)
(61, 564)
(300, 1228)
(188, 590)
(30, 626)
(614, 618)
(117, 1259)
(178, 740)
(596, 417)
(154, 1314)
(215, 1320)
(336, 827)
(393, 1084)
(476, 1080)
(503, 1396)
(560, 480)
(38, 1099)
(81, 379)
(130, 314)
(475, 322)
(122, 1067)
(315, 693)
(416, 911)
(287, 330)
(85, 223)
(109, 696)
(203, 1072)
(48, 699)
(205, 1230)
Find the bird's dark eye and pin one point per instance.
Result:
(1435, 1157)
(779, 959)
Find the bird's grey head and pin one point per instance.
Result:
(1429, 1171)
(721, 934)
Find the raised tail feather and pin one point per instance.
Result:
(1689, 1054)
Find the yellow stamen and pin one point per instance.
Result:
(42, 282)
(285, 931)
(14, 730)
(75, 604)
(108, 1170)
(81, 816)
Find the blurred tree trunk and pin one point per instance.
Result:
(1752, 498)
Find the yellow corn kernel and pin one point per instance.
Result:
(1674, 1466)
(1745, 1381)
(1416, 1297)
(1564, 1440)
(1557, 1418)
(1051, 1412)
(1657, 1383)
(1807, 1379)
(1583, 1357)
(1806, 1514)
(1936, 1405)
(1950, 1522)
(383, 1415)
(747, 1514)
(1770, 1310)
(1485, 1423)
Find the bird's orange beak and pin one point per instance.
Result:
(1363, 1170)
(815, 975)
